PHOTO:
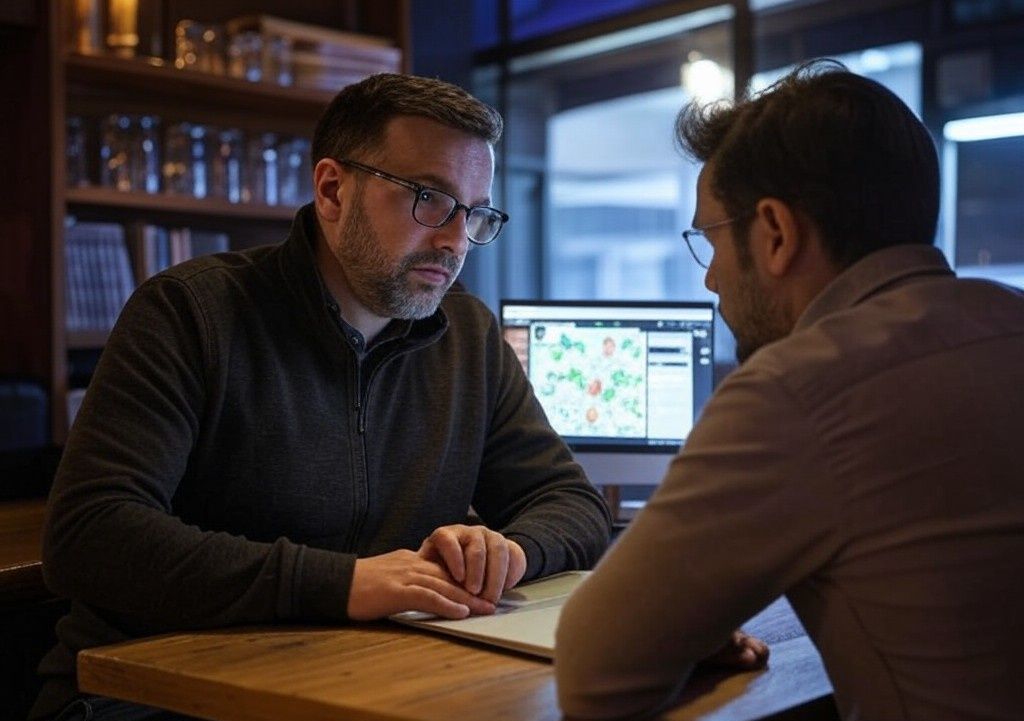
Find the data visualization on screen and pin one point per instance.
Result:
(616, 375)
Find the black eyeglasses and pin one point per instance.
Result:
(435, 208)
(697, 240)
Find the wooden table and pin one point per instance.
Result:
(382, 672)
(21, 548)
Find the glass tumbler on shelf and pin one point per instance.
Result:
(186, 160)
(226, 164)
(177, 167)
(77, 172)
(116, 152)
(84, 27)
(199, 46)
(293, 159)
(261, 170)
(277, 60)
(245, 52)
(303, 147)
(123, 27)
(199, 159)
(146, 159)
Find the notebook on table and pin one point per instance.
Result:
(525, 620)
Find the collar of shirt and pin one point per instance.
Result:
(394, 330)
(870, 275)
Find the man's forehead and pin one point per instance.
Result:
(461, 165)
(703, 182)
(704, 177)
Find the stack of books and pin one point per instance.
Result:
(162, 247)
(98, 276)
(323, 58)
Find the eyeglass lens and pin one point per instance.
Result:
(700, 246)
(483, 224)
(434, 208)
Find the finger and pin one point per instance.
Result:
(497, 566)
(757, 649)
(475, 552)
(516, 564)
(445, 544)
(420, 598)
(457, 594)
(741, 639)
(433, 566)
(743, 651)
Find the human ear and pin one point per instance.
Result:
(328, 177)
(780, 234)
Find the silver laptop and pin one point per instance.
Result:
(525, 621)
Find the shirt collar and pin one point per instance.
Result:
(871, 274)
(301, 259)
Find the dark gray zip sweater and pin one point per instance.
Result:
(225, 467)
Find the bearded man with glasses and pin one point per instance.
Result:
(297, 432)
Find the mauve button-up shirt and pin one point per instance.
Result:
(869, 466)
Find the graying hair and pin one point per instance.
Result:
(355, 120)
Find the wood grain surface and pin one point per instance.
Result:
(21, 547)
(380, 672)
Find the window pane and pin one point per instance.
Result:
(989, 208)
(620, 195)
(618, 192)
(535, 18)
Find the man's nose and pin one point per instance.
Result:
(453, 236)
(710, 282)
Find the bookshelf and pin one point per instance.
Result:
(43, 82)
(162, 204)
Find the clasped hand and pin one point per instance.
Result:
(457, 571)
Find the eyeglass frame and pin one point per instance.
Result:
(702, 230)
(419, 188)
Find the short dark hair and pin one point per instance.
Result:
(840, 147)
(356, 118)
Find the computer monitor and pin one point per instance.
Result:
(621, 381)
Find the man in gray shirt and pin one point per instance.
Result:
(297, 432)
(864, 460)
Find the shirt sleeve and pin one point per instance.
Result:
(111, 538)
(742, 514)
(530, 488)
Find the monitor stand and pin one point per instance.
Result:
(609, 471)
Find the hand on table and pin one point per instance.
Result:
(483, 561)
(740, 653)
(405, 580)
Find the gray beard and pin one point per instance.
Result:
(383, 289)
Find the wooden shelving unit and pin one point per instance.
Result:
(158, 203)
(45, 82)
(86, 339)
(137, 75)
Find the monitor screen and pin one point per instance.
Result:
(616, 376)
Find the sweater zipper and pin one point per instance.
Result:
(358, 395)
(361, 406)
(361, 479)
